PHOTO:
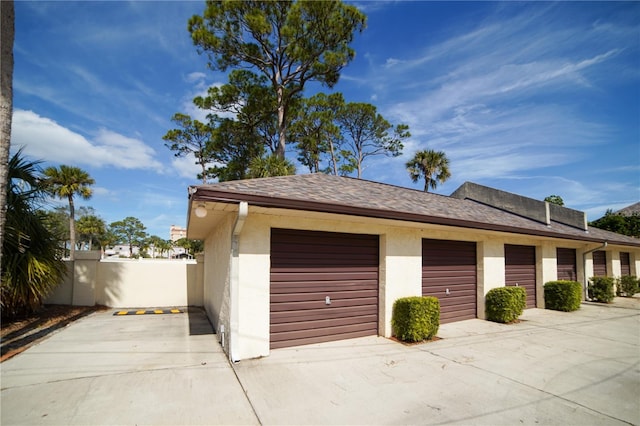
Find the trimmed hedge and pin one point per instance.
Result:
(601, 289)
(628, 286)
(563, 295)
(415, 318)
(505, 304)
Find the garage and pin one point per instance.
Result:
(520, 269)
(599, 263)
(625, 263)
(323, 287)
(449, 273)
(566, 260)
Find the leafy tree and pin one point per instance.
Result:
(290, 43)
(432, 166)
(164, 246)
(247, 100)
(90, 228)
(193, 137)
(616, 222)
(555, 199)
(57, 222)
(7, 35)
(366, 134)
(270, 166)
(129, 231)
(108, 239)
(161, 245)
(317, 134)
(243, 115)
(192, 247)
(234, 147)
(32, 265)
(67, 182)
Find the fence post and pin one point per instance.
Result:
(85, 271)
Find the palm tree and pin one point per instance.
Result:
(431, 165)
(261, 167)
(90, 227)
(66, 182)
(31, 257)
(7, 36)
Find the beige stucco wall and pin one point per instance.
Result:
(148, 283)
(400, 264)
(130, 283)
(490, 273)
(217, 266)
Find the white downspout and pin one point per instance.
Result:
(584, 268)
(234, 282)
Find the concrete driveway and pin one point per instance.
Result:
(552, 368)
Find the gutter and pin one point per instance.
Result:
(234, 280)
(212, 195)
(584, 268)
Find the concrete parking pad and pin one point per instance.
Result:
(555, 368)
(141, 369)
(552, 368)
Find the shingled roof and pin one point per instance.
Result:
(630, 210)
(344, 195)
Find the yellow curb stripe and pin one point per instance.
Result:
(149, 311)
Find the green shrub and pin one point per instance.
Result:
(415, 318)
(601, 289)
(628, 285)
(563, 295)
(505, 304)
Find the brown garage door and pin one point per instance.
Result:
(625, 264)
(324, 287)
(566, 259)
(599, 263)
(520, 269)
(449, 273)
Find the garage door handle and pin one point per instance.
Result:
(447, 292)
(327, 300)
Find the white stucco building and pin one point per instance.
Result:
(310, 258)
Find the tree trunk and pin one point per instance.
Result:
(7, 35)
(282, 125)
(72, 229)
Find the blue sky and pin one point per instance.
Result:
(531, 98)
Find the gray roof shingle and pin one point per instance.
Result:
(321, 192)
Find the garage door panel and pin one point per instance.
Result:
(452, 295)
(320, 303)
(442, 283)
(462, 272)
(321, 324)
(566, 262)
(451, 265)
(327, 286)
(457, 302)
(599, 263)
(320, 332)
(280, 275)
(520, 269)
(321, 313)
(335, 297)
(335, 335)
(308, 266)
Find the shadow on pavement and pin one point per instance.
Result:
(198, 322)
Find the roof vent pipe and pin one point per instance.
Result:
(584, 268)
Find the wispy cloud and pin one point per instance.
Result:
(488, 94)
(45, 139)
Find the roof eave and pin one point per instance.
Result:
(207, 194)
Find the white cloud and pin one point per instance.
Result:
(186, 167)
(45, 139)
